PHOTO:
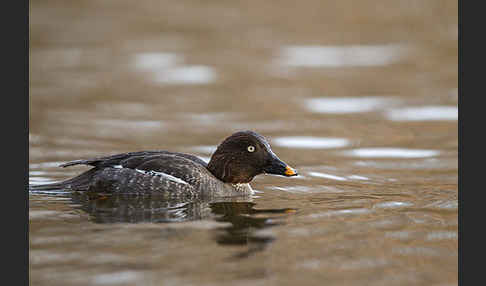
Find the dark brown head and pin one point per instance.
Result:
(243, 155)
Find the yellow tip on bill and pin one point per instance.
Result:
(290, 172)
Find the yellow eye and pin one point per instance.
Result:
(251, 149)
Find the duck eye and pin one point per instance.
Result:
(251, 148)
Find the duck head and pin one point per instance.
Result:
(243, 155)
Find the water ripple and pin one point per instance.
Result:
(440, 235)
(357, 211)
(167, 69)
(186, 75)
(156, 61)
(327, 176)
(340, 56)
(310, 142)
(392, 205)
(342, 105)
(391, 153)
(423, 113)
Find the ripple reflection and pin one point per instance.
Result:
(167, 69)
(310, 142)
(342, 105)
(423, 113)
(340, 56)
(391, 153)
(245, 221)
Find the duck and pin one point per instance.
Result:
(237, 160)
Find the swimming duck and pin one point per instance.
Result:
(236, 161)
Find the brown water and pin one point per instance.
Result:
(359, 96)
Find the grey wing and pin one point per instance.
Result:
(170, 166)
(168, 173)
(131, 181)
(118, 158)
(110, 160)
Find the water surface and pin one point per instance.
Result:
(359, 97)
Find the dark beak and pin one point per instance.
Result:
(277, 167)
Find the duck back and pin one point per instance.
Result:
(172, 174)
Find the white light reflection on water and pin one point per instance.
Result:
(423, 113)
(391, 153)
(167, 69)
(310, 142)
(39, 180)
(340, 56)
(356, 211)
(187, 75)
(36, 214)
(46, 164)
(327, 176)
(426, 163)
(392, 205)
(336, 105)
(307, 189)
(356, 177)
(117, 277)
(156, 61)
(138, 125)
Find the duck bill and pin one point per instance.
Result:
(278, 167)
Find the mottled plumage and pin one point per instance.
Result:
(232, 166)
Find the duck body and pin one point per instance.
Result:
(169, 173)
(236, 161)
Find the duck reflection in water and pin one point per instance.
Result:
(244, 219)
